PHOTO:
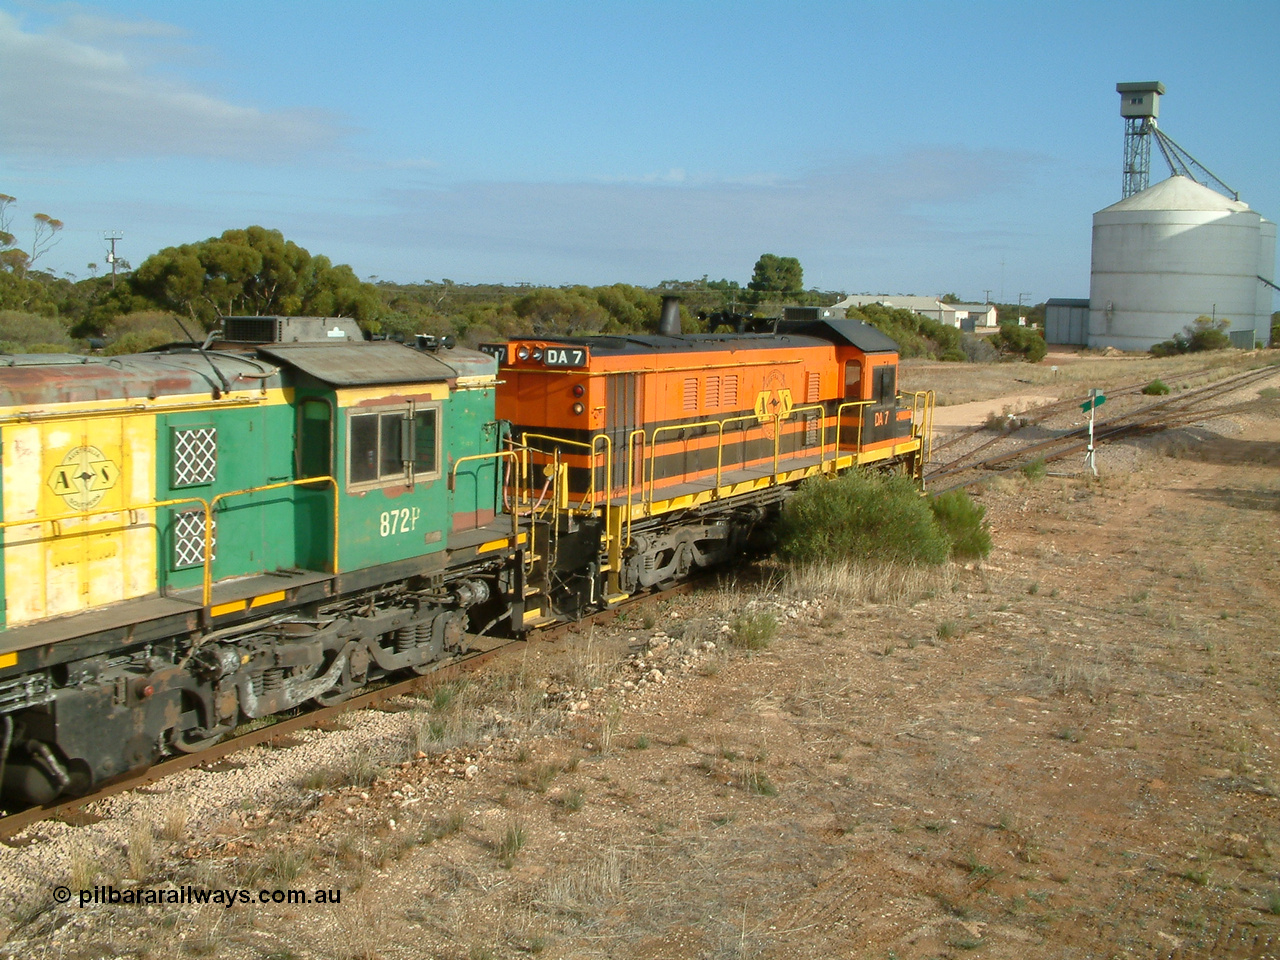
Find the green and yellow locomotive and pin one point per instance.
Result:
(200, 535)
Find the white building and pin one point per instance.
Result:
(963, 316)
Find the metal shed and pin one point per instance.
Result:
(1066, 321)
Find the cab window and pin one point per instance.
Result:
(886, 386)
(392, 446)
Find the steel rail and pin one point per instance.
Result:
(68, 808)
(1042, 412)
(1165, 414)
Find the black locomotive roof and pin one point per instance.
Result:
(804, 333)
(854, 333)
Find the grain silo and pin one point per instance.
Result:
(1174, 252)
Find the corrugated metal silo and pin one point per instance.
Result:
(1172, 253)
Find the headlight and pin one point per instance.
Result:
(523, 352)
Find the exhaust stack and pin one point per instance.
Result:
(669, 321)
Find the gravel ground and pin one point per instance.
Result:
(662, 788)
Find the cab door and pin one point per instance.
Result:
(623, 405)
(394, 503)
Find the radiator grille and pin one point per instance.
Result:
(731, 391)
(251, 329)
(713, 392)
(691, 393)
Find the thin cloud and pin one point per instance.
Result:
(879, 209)
(72, 98)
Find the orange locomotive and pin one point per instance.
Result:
(651, 456)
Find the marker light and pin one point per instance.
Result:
(578, 408)
(578, 390)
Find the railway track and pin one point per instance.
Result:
(1038, 414)
(71, 809)
(1177, 410)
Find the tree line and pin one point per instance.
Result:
(257, 271)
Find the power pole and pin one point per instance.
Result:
(111, 236)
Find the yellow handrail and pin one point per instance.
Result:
(720, 425)
(840, 424)
(521, 468)
(631, 474)
(921, 419)
(208, 526)
(822, 431)
(132, 409)
(653, 442)
(86, 514)
(925, 399)
(207, 508)
(590, 498)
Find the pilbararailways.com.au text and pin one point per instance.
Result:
(193, 896)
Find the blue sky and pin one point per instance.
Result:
(891, 147)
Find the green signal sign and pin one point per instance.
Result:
(1093, 402)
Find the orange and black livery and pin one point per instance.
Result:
(666, 452)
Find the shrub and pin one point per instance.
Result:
(916, 336)
(964, 523)
(977, 349)
(752, 631)
(1156, 388)
(1025, 342)
(1203, 333)
(860, 516)
(1035, 470)
(22, 332)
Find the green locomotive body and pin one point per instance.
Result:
(195, 537)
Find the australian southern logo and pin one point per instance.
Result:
(84, 477)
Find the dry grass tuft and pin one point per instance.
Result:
(174, 827)
(361, 927)
(896, 585)
(82, 868)
(141, 849)
(587, 665)
(600, 881)
(513, 841)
